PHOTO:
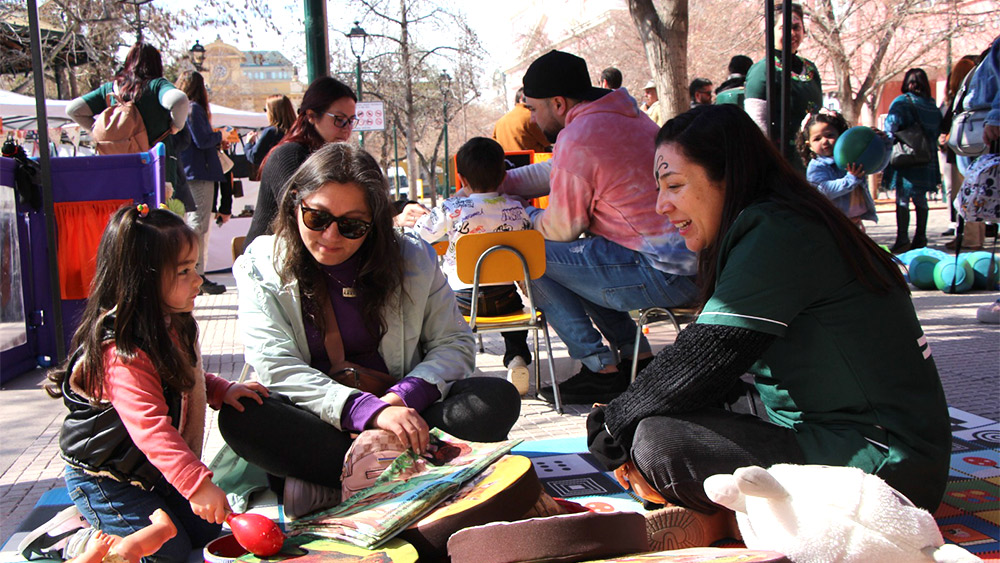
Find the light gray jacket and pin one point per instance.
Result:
(427, 336)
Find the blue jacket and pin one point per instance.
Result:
(837, 185)
(905, 110)
(984, 91)
(201, 158)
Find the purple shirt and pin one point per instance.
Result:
(360, 347)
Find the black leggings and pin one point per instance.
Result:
(287, 441)
(677, 453)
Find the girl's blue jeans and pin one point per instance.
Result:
(119, 509)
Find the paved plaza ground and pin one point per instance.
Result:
(967, 355)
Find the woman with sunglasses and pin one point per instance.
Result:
(351, 326)
(326, 115)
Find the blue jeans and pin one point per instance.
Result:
(594, 279)
(120, 508)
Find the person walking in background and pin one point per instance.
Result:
(700, 91)
(164, 108)
(201, 167)
(326, 115)
(806, 88)
(651, 103)
(973, 234)
(280, 116)
(516, 132)
(732, 91)
(911, 183)
(480, 167)
(611, 78)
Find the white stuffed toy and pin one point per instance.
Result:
(816, 513)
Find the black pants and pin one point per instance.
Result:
(677, 453)
(287, 441)
(495, 300)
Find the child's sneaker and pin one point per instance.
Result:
(677, 527)
(518, 374)
(48, 540)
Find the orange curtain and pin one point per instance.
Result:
(79, 226)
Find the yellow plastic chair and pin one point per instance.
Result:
(676, 315)
(495, 258)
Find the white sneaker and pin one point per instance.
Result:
(48, 540)
(518, 374)
(302, 497)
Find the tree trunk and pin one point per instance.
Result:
(664, 36)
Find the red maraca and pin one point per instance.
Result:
(256, 533)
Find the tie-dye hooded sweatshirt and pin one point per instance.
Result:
(601, 181)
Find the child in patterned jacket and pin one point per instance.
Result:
(481, 168)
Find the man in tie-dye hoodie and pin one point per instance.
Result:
(607, 250)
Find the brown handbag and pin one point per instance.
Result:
(366, 380)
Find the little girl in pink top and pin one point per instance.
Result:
(136, 390)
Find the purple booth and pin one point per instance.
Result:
(85, 189)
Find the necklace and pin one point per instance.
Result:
(345, 289)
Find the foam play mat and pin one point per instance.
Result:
(969, 514)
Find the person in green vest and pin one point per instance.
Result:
(732, 89)
(796, 296)
(806, 89)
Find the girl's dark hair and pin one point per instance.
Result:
(280, 113)
(319, 95)
(730, 147)
(915, 81)
(192, 83)
(125, 305)
(380, 273)
(142, 64)
(779, 10)
(826, 116)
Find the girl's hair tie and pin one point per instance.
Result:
(143, 209)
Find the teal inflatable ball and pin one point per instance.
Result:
(921, 270)
(945, 271)
(860, 144)
(984, 276)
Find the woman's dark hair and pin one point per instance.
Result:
(280, 113)
(915, 82)
(192, 83)
(826, 116)
(125, 305)
(380, 273)
(142, 64)
(481, 162)
(730, 147)
(319, 95)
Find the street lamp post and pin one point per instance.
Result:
(197, 56)
(358, 37)
(444, 83)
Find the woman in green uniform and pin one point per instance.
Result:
(798, 297)
(806, 90)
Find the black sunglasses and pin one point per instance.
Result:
(317, 220)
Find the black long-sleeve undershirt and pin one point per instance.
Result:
(697, 371)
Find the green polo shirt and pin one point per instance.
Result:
(851, 371)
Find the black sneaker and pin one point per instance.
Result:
(48, 540)
(625, 366)
(587, 387)
(211, 288)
